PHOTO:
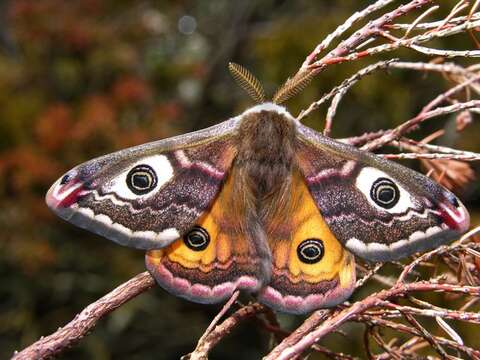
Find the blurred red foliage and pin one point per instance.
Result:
(131, 90)
(75, 87)
(53, 126)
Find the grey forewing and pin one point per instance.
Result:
(341, 151)
(200, 162)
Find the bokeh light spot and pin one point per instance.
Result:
(187, 24)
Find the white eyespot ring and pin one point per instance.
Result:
(197, 239)
(154, 172)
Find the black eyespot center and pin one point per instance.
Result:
(311, 251)
(65, 179)
(141, 179)
(455, 202)
(197, 239)
(452, 199)
(385, 193)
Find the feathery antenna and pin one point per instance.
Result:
(293, 86)
(247, 82)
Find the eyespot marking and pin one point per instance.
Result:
(311, 251)
(65, 179)
(197, 239)
(141, 179)
(384, 192)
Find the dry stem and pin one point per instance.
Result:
(76, 329)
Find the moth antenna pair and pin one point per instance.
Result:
(248, 82)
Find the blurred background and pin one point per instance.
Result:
(79, 79)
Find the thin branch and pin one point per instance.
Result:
(359, 307)
(427, 336)
(376, 320)
(446, 95)
(341, 89)
(217, 318)
(445, 53)
(412, 123)
(218, 333)
(437, 312)
(432, 156)
(76, 329)
(343, 28)
(432, 148)
(435, 24)
(369, 30)
(449, 68)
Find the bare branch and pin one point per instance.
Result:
(340, 317)
(463, 157)
(412, 123)
(76, 329)
(341, 89)
(371, 29)
(210, 339)
(343, 28)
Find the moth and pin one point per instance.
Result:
(260, 203)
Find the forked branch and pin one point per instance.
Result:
(76, 329)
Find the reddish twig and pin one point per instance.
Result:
(340, 317)
(371, 29)
(462, 157)
(407, 126)
(379, 321)
(220, 314)
(76, 329)
(213, 337)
